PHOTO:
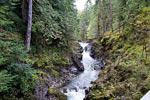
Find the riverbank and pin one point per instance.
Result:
(126, 72)
(58, 73)
(34, 75)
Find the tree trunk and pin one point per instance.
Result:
(101, 16)
(28, 34)
(106, 20)
(23, 11)
(111, 15)
(119, 27)
(98, 25)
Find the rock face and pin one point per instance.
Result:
(77, 50)
(99, 52)
(78, 64)
(77, 56)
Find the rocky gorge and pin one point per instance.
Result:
(49, 86)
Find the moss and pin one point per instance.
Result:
(40, 73)
(52, 91)
(55, 73)
(49, 66)
(43, 61)
(56, 93)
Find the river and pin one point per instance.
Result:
(77, 87)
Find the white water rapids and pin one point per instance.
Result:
(76, 88)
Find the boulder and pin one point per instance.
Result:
(77, 50)
(73, 69)
(76, 56)
(78, 64)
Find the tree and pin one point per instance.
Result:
(23, 10)
(54, 21)
(111, 14)
(28, 34)
(101, 16)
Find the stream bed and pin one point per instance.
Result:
(76, 89)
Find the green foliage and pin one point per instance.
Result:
(115, 13)
(51, 57)
(12, 49)
(126, 10)
(9, 17)
(17, 77)
(25, 76)
(86, 18)
(54, 73)
(55, 22)
(129, 67)
(5, 81)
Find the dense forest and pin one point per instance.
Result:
(39, 46)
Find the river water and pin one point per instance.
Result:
(76, 88)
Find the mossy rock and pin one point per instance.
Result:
(54, 73)
(56, 93)
(76, 50)
(52, 91)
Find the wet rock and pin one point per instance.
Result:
(74, 69)
(92, 55)
(102, 67)
(93, 82)
(74, 88)
(86, 48)
(79, 57)
(76, 61)
(76, 56)
(65, 90)
(86, 92)
(97, 68)
(84, 87)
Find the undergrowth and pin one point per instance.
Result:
(127, 77)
